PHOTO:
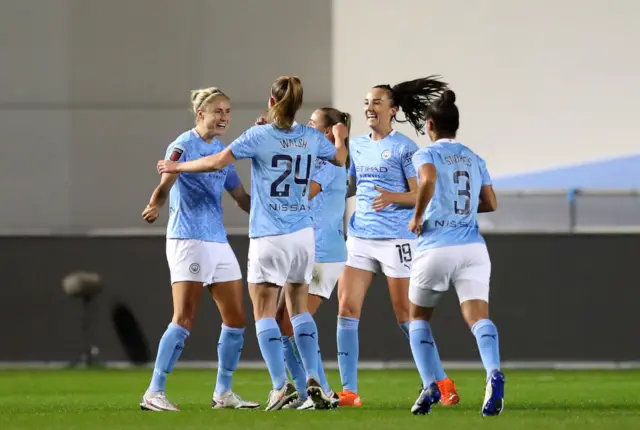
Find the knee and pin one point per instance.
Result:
(184, 320)
(348, 308)
(235, 319)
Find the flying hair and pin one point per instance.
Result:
(414, 98)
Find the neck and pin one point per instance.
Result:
(444, 136)
(380, 133)
(204, 134)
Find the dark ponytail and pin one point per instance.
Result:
(445, 115)
(414, 98)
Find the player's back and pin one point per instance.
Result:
(451, 217)
(281, 165)
(195, 200)
(328, 212)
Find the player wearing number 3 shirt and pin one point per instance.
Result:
(282, 247)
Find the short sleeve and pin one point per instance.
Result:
(352, 168)
(420, 158)
(326, 149)
(233, 180)
(324, 174)
(175, 152)
(406, 156)
(484, 173)
(244, 146)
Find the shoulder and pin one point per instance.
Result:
(404, 143)
(359, 139)
(183, 141)
(309, 132)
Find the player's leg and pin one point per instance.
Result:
(429, 281)
(226, 291)
(304, 326)
(396, 261)
(185, 258)
(324, 280)
(472, 286)
(291, 355)
(353, 285)
(267, 268)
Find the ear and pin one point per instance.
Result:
(272, 101)
(429, 125)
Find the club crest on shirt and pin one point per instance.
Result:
(386, 154)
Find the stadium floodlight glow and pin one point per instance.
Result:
(84, 286)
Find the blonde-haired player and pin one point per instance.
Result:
(198, 252)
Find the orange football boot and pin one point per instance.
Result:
(349, 398)
(449, 395)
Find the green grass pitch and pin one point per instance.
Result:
(108, 399)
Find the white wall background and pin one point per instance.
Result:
(92, 92)
(540, 83)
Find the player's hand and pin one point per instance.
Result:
(166, 166)
(340, 131)
(383, 200)
(415, 225)
(262, 119)
(150, 213)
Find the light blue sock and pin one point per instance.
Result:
(423, 348)
(294, 366)
(405, 328)
(486, 335)
(229, 350)
(169, 350)
(306, 334)
(269, 336)
(438, 369)
(348, 351)
(323, 376)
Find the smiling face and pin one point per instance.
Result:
(378, 108)
(318, 121)
(215, 117)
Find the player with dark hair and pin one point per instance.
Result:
(454, 185)
(385, 184)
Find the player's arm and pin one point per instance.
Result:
(488, 199)
(351, 186)
(210, 163)
(385, 198)
(426, 188)
(234, 187)
(314, 189)
(322, 176)
(242, 198)
(337, 154)
(159, 197)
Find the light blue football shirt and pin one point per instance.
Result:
(195, 200)
(451, 218)
(387, 164)
(282, 162)
(328, 212)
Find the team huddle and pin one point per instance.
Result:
(415, 221)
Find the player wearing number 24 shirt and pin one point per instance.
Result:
(283, 154)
